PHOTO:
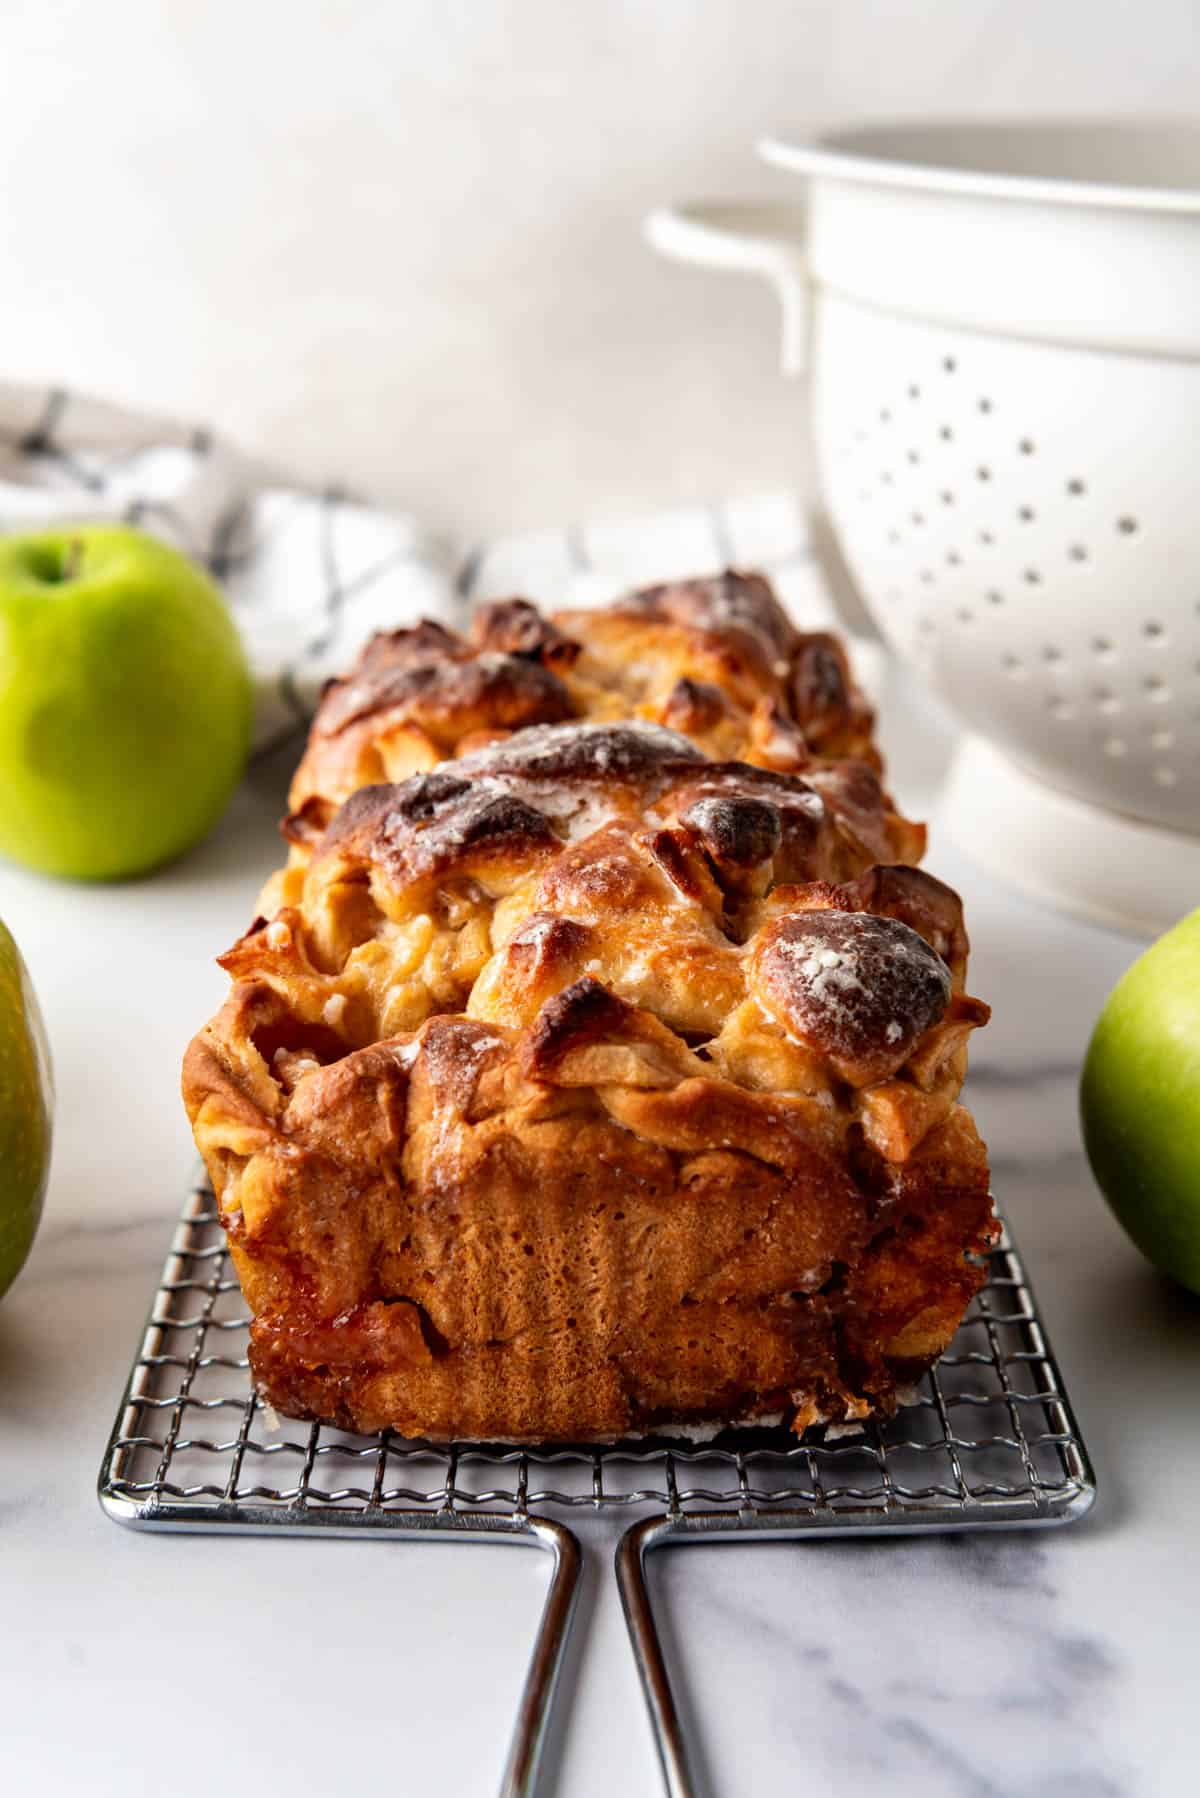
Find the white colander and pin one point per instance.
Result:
(1003, 326)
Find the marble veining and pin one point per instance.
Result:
(953, 1666)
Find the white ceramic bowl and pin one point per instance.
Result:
(1003, 328)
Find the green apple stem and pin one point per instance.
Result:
(72, 559)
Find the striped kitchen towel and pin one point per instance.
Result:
(310, 575)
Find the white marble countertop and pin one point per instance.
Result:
(1001, 1667)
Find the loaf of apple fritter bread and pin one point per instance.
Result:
(603, 1079)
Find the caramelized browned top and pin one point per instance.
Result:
(715, 659)
(720, 906)
(525, 797)
(856, 989)
(484, 691)
(730, 601)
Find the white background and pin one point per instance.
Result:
(395, 242)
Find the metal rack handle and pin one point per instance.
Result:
(545, 1663)
(669, 1739)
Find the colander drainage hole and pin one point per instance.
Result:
(1078, 552)
(914, 393)
(1026, 514)
(983, 473)
(986, 538)
(985, 405)
(994, 596)
(1102, 646)
(1153, 631)
(1076, 487)
(1115, 746)
(1031, 577)
(946, 497)
(1106, 699)
(1127, 526)
(1156, 688)
(1051, 654)
(1162, 739)
(949, 364)
(1166, 777)
(1061, 708)
(1026, 446)
(946, 434)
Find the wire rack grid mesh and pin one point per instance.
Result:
(987, 1435)
(987, 1438)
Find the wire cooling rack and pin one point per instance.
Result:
(988, 1438)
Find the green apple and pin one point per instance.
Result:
(124, 701)
(1140, 1102)
(25, 1106)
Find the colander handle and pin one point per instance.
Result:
(753, 239)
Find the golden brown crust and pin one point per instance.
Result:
(735, 638)
(566, 1214)
(422, 897)
(412, 698)
(464, 1234)
(603, 1072)
(856, 989)
(715, 659)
